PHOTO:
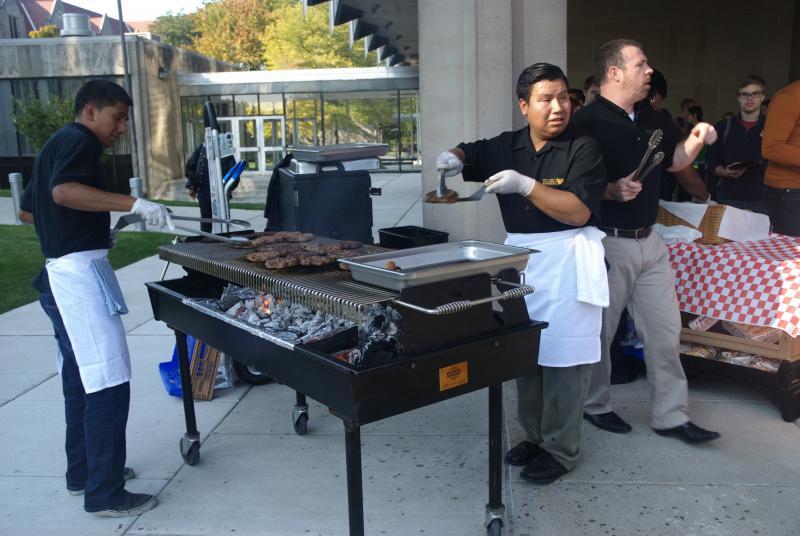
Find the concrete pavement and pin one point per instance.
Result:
(424, 472)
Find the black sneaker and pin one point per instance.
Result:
(133, 504)
(127, 473)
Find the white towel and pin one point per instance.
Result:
(590, 267)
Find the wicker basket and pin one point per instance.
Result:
(709, 225)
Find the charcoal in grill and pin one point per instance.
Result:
(234, 294)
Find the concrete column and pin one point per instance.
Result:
(471, 53)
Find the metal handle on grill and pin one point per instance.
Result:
(518, 291)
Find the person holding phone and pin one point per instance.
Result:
(735, 158)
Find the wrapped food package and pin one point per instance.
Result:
(699, 350)
(702, 323)
(754, 333)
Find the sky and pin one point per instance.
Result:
(138, 9)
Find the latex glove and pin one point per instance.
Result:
(112, 239)
(509, 182)
(450, 163)
(155, 214)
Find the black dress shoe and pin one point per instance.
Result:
(543, 470)
(689, 432)
(610, 422)
(523, 454)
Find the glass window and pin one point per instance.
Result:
(303, 119)
(363, 117)
(247, 133)
(192, 121)
(246, 104)
(270, 104)
(223, 105)
(252, 160)
(273, 132)
(409, 131)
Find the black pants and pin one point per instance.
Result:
(783, 205)
(96, 422)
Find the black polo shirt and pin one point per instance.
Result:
(571, 162)
(624, 142)
(71, 155)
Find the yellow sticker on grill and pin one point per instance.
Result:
(453, 376)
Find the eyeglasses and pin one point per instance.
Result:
(753, 95)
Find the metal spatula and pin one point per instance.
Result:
(474, 197)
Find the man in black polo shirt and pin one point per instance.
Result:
(68, 203)
(640, 276)
(549, 181)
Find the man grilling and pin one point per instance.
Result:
(68, 203)
(549, 181)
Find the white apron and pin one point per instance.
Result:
(97, 336)
(569, 275)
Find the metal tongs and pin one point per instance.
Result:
(657, 159)
(129, 219)
(655, 139)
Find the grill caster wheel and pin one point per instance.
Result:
(301, 424)
(249, 374)
(190, 450)
(495, 528)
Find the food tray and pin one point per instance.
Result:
(439, 262)
(410, 236)
(337, 153)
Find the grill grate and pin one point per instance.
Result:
(328, 289)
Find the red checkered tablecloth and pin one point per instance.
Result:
(749, 282)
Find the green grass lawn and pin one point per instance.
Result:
(22, 259)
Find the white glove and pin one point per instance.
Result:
(450, 163)
(112, 239)
(155, 214)
(509, 182)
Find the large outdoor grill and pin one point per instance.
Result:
(453, 338)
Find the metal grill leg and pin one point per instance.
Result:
(355, 494)
(186, 385)
(495, 509)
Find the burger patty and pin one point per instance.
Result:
(261, 256)
(281, 263)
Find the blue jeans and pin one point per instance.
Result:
(784, 210)
(96, 422)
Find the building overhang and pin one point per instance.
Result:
(388, 26)
(299, 81)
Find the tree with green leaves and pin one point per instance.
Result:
(176, 29)
(230, 30)
(37, 120)
(294, 41)
(51, 30)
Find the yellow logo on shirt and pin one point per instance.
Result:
(557, 181)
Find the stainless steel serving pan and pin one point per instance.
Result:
(439, 262)
(337, 153)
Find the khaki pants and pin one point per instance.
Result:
(641, 278)
(550, 404)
